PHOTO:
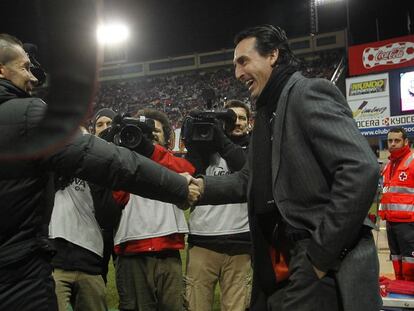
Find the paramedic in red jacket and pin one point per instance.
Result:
(397, 203)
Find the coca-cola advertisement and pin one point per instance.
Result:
(381, 55)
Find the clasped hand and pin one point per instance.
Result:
(195, 190)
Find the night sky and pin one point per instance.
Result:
(162, 28)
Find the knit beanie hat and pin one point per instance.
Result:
(104, 112)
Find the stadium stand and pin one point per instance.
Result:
(178, 93)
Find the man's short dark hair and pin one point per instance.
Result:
(268, 39)
(399, 130)
(160, 117)
(235, 103)
(8, 45)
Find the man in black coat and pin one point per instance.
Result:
(25, 184)
(309, 181)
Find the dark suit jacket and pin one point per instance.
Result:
(324, 180)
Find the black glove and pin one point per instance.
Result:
(220, 140)
(234, 154)
(198, 156)
(109, 133)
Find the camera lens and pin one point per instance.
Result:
(202, 131)
(130, 136)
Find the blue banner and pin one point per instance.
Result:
(383, 131)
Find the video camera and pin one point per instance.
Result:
(198, 126)
(128, 132)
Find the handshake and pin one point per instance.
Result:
(195, 191)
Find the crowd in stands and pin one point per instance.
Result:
(177, 94)
(321, 65)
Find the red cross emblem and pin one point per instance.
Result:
(403, 176)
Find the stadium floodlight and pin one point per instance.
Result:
(112, 34)
(323, 2)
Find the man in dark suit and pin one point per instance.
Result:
(309, 183)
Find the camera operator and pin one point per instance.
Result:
(107, 204)
(76, 236)
(81, 230)
(27, 192)
(101, 120)
(148, 266)
(219, 240)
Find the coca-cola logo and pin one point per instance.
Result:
(389, 55)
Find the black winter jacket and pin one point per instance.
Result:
(23, 183)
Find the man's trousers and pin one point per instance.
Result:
(150, 281)
(205, 268)
(85, 292)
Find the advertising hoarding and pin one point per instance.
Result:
(383, 55)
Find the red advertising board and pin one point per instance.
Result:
(381, 55)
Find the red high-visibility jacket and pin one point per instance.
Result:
(397, 202)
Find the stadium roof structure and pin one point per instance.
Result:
(160, 29)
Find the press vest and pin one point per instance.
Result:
(145, 218)
(223, 219)
(150, 225)
(73, 217)
(397, 202)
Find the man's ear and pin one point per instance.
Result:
(2, 70)
(274, 55)
(406, 142)
(249, 126)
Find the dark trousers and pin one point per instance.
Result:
(28, 285)
(150, 281)
(304, 291)
(108, 239)
(401, 238)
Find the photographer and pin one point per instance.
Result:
(148, 266)
(81, 231)
(27, 192)
(107, 204)
(219, 240)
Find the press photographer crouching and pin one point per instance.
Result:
(219, 239)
